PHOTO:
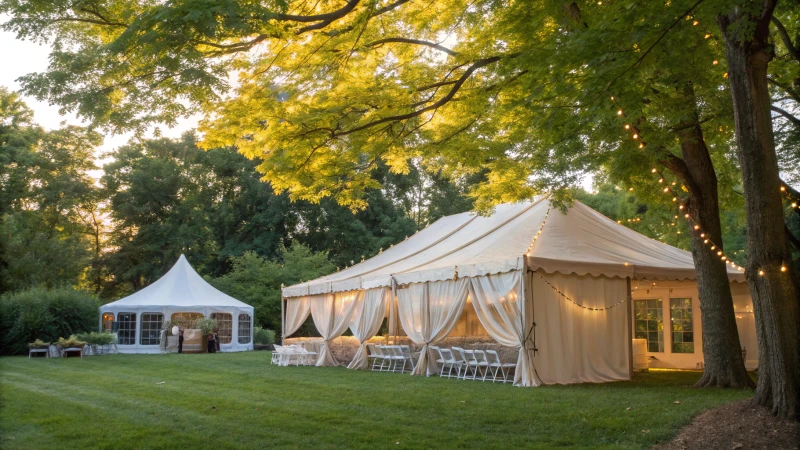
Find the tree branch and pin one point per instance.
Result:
(786, 114)
(327, 17)
(664, 33)
(449, 96)
(787, 41)
(433, 45)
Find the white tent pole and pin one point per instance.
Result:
(283, 316)
(629, 315)
(392, 326)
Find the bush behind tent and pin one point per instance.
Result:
(45, 314)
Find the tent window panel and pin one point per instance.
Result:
(151, 328)
(126, 333)
(244, 328)
(682, 325)
(649, 323)
(186, 319)
(225, 326)
(108, 321)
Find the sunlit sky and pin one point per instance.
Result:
(24, 57)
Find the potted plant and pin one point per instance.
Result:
(206, 327)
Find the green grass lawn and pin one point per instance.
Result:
(241, 401)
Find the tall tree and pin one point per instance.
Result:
(776, 300)
(45, 189)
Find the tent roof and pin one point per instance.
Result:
(182, 287)
(582, 241)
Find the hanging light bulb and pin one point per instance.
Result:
(783, 268)
(635, 136)
(627, 127)
(697, 227)
(715, 62)
(761, 273)
(619, 112)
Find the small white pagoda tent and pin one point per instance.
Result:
(570, 290)
(181, 292)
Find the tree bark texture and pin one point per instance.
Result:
(775, 296)
(724, 364)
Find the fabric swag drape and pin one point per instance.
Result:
(368, 316)
(297, 310)
(331, 314)
(499, 305)
(428, 311)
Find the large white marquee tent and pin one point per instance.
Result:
(567, 290)
(180, 292)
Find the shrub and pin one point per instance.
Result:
(44, 314)
(71, 342)
(97, 338)
(263, 336)
(38, 344)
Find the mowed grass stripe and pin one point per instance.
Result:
(114, 401)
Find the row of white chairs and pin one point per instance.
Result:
(295, 354)
(390, 358)
(473, 364)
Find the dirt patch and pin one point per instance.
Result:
(738, 425)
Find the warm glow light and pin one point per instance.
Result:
(713, 247)
(674, 199)
(660, 180)
(783, 268)
(635, 136)
(680, 207)
(761, 272)
(695, 23)
(641, 145)
(627, 127)
(715, 62)
(619, 113)
(708, 36)
(719, 253)
(705, 241)
(666, 189)
(653, 170)
(783, 189)
(697, 227)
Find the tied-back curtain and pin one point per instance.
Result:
(428, 312)
(501, 309)
(297, 310)
(368, 316)
(331, 314)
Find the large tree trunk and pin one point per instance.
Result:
(775, 297)
(724, 365)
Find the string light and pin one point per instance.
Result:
(541, 228)
(576, 303)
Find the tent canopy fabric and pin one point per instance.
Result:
(180, 287)
(580, 241)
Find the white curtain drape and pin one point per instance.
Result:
(331, 314)
(297, 310)
(368, 316)
(578, 345)
(501, 308)
(428, 311)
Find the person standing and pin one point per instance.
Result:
(180, 340)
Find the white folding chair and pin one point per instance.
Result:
(448, 362)
(461, 361)
(499, 366)
(406, 351)
(480, 358)
(380, 356)
(396, 357)
(371, 356)
(276, 354)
